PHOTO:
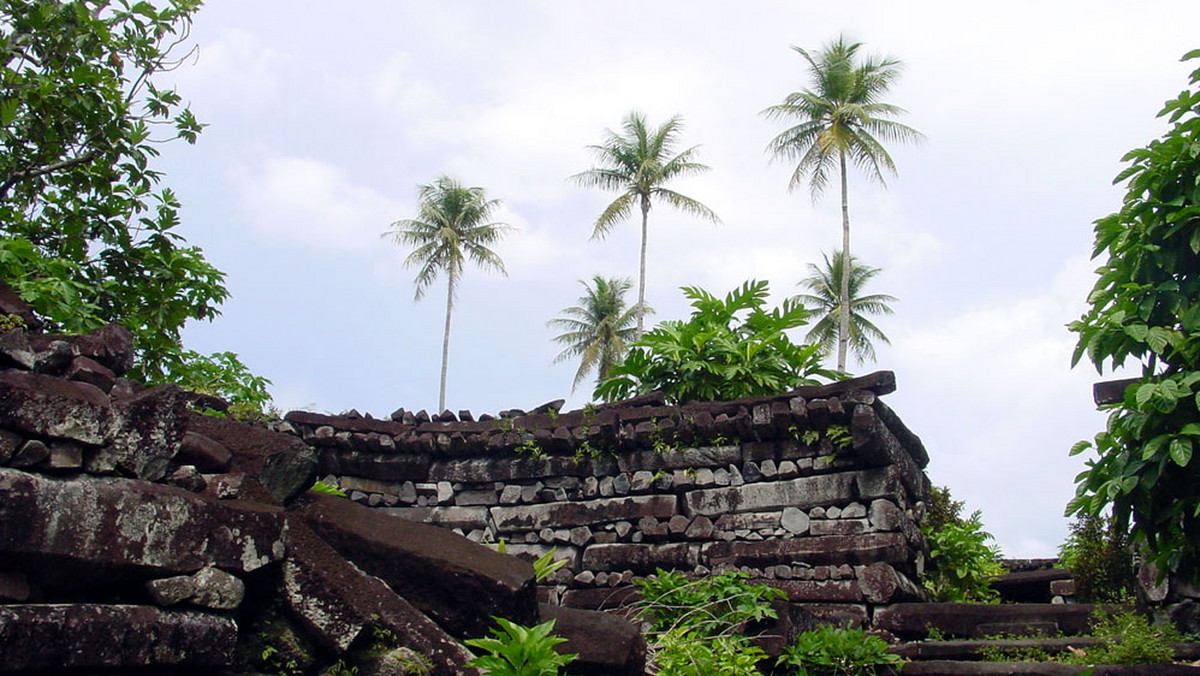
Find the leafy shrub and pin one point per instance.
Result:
(695, 626)
(682, 652)
(1100, 558)
(942, 509)
(327, 488)
(1129, 638)
(831, 651)
(727, 349)
(519, 651)
(961, 563)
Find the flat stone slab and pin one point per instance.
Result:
(913, 620)
(127, 527)
(802, 493)
(94, 636)
(829, 549)
(513, 518)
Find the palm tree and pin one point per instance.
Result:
(825, 283)
(840, 119)
(638, 163)
(452, 226)
(598, 328)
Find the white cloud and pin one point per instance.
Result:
(311, 204)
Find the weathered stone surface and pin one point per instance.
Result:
(801, 493)
(466, 518)
(835, 549)
(914, 620)
(398, 467)
(55, 637)
(705, 456)
(478, 470)
(456, 582)
(824, 591)
(337, 601)
(795, 521)
(640, 558)
(600, 598)
(86, 370)
(217, 589)
(606, 644)
(533, 517)
(38, 404)
(749, 521)
(282, 465)
(207, 455)
(72, 531)
(147, 434)
(14, 586)
(169, 591)
(879, 582)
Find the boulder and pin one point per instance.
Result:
(456, 582)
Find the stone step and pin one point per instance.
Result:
(1029, 586)
(954, 668)
(911, 621)
(969, 650)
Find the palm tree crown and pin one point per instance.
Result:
(825, 283)
(452, 226)
(598, 329)
(638, 163)
(840, 119)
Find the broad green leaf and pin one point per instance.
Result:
(1181, 451)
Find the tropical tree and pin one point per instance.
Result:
(825, 283)
(1145, 308)
(598, 328)
(840, 120)
(452, 226)
(638, 163)
(88, 234)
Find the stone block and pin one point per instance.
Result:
(456, 582)
(398, 467)
(57, 637)
(282, 465)
(831, 549)
(108, 528)
(822, 591)
(802, 493)
(336, 602)
(466, 518)
(46, 406)
(606, 644)
(640, 558)
(704, 456)
(532, 517)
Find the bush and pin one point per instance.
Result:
(1100, 558)
(1129, 638)
(830, 651)
(695, 626)
(961, 563)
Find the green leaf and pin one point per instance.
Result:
(1181, 451)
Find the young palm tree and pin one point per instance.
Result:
(598, 328)
(825, 283)
(452, 226)
(840, 119)
(638, 163)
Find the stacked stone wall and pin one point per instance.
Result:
(818, 492)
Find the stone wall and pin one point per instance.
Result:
(818, 491)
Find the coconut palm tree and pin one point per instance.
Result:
(840, 120)
(825, 283)
(638, 163)
(598, 328)
(452, 226)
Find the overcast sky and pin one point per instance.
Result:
(323, 122)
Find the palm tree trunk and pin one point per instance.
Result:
(446, 340)
(642, 269)
(844, 291)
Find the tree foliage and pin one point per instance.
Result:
(1145, 306)
(824, 282)
(638, 163)
(729, 348)
(453, 225)
(598, 329)
(89, 237)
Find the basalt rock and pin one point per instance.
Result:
(281, 464)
